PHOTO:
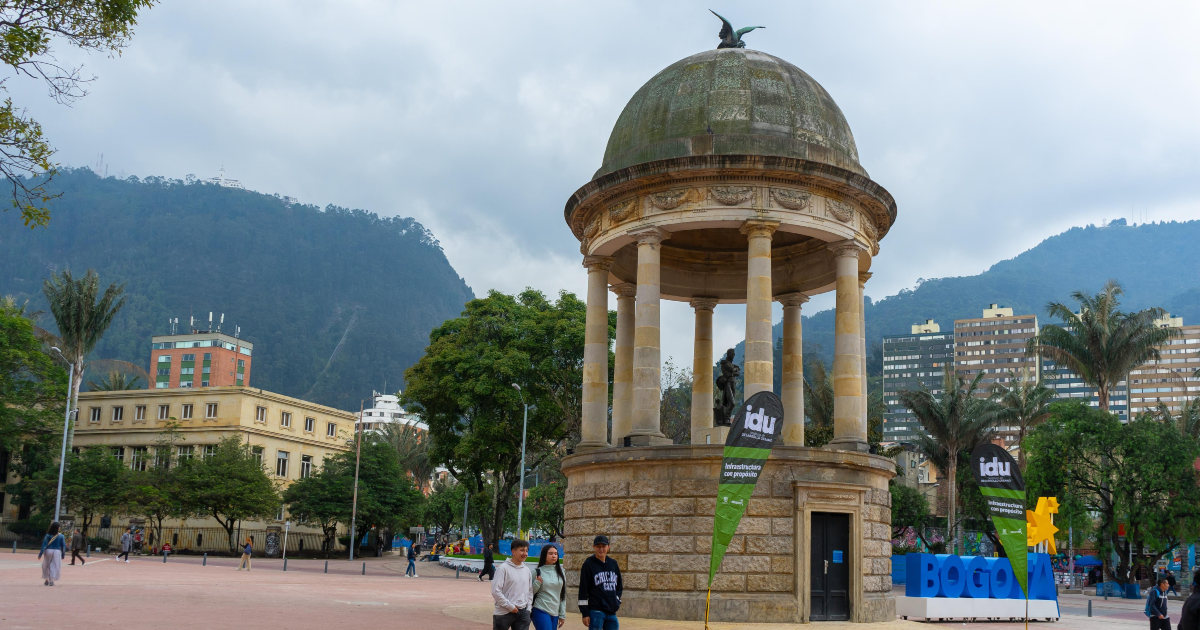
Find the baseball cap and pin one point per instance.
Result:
(600, 540)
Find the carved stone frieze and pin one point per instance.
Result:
(832, 496)
(791, 199)
(872, 234)
(592, 228)
(732, 195)
(840, 211)
(623, 211)
(671, 199)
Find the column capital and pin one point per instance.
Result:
(625, 289)
(704, 303)
(791, 299)
(650, 234)
(863, 276)
(598, 263)
(759, 228)
(849, 248)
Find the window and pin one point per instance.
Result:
(95, 414)
(310, 424)
(210, 410)
(331, 429)
(257, 453)
(118, 452)
(187, 370)
(161, 385)
(260, 414)
(137, 459)
(281, 462)
(210, 450)
(208, 356)
(305, 466)
(185, 452)
(164, 412)
(118, 414)
(285, 419)
(188, 357)
(183, 383)
(187, 411)
(139, 412)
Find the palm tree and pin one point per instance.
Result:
(82, 315)
(115, 381)
(955, 422)
(1025, 403)
(412, 448)
(1101, 343)
(818, 406)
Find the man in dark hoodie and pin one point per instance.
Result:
(1189, 618)
(1156, 606)
(600, 588)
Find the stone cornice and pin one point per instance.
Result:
(849, 247)
(625, 289)
(650, 234)
(704, 303)
(791, 299)
(758, 228)
(598, 263)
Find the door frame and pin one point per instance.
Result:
(837, 498)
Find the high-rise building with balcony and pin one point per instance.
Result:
(910, 361)
(996, 345)
(1171, 380)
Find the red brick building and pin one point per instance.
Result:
(199, 359)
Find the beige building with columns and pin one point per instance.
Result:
(731, 177)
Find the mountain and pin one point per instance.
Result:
(1158, 264)
(337, 302)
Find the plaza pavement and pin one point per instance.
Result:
(181, 594)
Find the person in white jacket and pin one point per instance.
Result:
(512, 589)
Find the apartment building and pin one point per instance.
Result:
(1170, 381)
(910, 362)
(200, 358)
(1067, 384)
(996, 345)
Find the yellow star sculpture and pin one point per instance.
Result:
(1040, 523)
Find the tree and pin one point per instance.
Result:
(81, 315)
(443, 508)
(1025, 403)
(818, 406)
(545, 506)
(412, 450)
(1101, 343)
(156, 492)
(675, 406)
(955, 422)
(1138, 474)
(910, 511)
(94, 482)
(27, 29)
(462, 388)
(230, 485)
(115, 381)
(33, 389)
(320, 500)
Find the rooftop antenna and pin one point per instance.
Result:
(210, 321)
(237, 333)
(222, 322)
(192, 322)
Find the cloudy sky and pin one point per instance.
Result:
(994, 125)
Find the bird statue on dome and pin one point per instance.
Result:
(729, 37)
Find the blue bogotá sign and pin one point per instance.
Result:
(943, 575)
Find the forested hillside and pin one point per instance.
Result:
(336, 301)
(1158, 264)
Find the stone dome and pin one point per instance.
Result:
(731, 101)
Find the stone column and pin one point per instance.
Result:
(622, 404)
(702, 369)
(594, 424)
(757, 375)
(849, 430)
(647, 358)
(793, 370)
(862, 328)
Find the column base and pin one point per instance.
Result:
(715, 435)
(849, 444)
(647, 440)
(584, 447)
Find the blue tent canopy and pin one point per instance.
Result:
(1088, 561)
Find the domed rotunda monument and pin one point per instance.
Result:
(731, 177)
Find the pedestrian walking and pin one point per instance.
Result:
(1156, 607)
(247, 549)
(137, 542)
(600, 588)
(413, 550)
(1172, 582)
(549, 592)
(51, 555)
(77, 545)
(489, 564)
(512, 590)
(1189, 615)
(126, 545)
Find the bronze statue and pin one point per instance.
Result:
(730, 371)
(729, 37)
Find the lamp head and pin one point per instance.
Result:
(516, 387)
(55, 348)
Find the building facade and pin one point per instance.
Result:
(1171, 381)
(199, 359)
(911, 361)
(1068, 385)
(996, 345)
(385, 409)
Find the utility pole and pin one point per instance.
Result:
(62, 460)
(524, 427)
(357, 460)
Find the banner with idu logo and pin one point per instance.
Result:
(1003, 489)
(751, 435)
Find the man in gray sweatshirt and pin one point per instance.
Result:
(512, 590)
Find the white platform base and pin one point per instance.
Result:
(939, 608)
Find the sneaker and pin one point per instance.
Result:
(127, 561)
(52, 584)
(45, 582)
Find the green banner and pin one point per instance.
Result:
(1002, 487)
(751, 435)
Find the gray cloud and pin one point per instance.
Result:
(994, 126)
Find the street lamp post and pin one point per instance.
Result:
(524, 427)
(357, 459)
(62, 460)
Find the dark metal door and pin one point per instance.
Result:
(830, 567)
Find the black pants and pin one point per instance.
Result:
(123, 553)
(488, 571)
(75, 555)
(512, 620)
(1160, 624)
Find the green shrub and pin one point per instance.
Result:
(35, 525)
(95, 542)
